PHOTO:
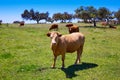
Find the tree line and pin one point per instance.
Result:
(86, 13)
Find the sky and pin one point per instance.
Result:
(11, 10)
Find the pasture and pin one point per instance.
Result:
(25, 54)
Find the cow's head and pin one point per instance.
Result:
(69, 25)
(54, 37)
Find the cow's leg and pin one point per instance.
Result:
(53, 65)
(63, 59)
(79, 53)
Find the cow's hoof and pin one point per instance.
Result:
(53, 67)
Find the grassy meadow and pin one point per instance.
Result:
(25, 54)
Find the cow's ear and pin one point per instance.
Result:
(48, 34)
(59, 34)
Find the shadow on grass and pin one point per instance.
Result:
(102, 27)
(70, 70)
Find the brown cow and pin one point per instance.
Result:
(22, 23)
(110, 26)
(104, 24)
(60, 44)
(73, 28)
(69, 25)
(53, 26)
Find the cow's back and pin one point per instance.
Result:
(73, 41)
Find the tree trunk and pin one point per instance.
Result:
(94, 23)
(37, 21)
(107, 21)
(85, 20)
(119, 21)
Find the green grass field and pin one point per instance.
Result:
(25, 54)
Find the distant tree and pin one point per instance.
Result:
(104, 14)
(40, 16)
(44, 16)
(82, 13)
(56, 16)
(26, 15)
(67, 16)
(117, 15)
(112, 15)
(36, 16)
(32, 15)
(0, 22)
(16, 22)
(63, 17)
(49, 19)
(93, 14)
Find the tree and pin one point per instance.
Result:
(63, 17)
(93, 14)
(49, 19)
(82, 13)
(56, 16)
(32, 14)
(40, 16)
(16, 22)
(26, 15)
(104, 14)
(117, 15)
(67, 16)
(0, 22)
(36, 16)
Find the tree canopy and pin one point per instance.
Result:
(36, 16)
(86, 13)
(117, 15)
